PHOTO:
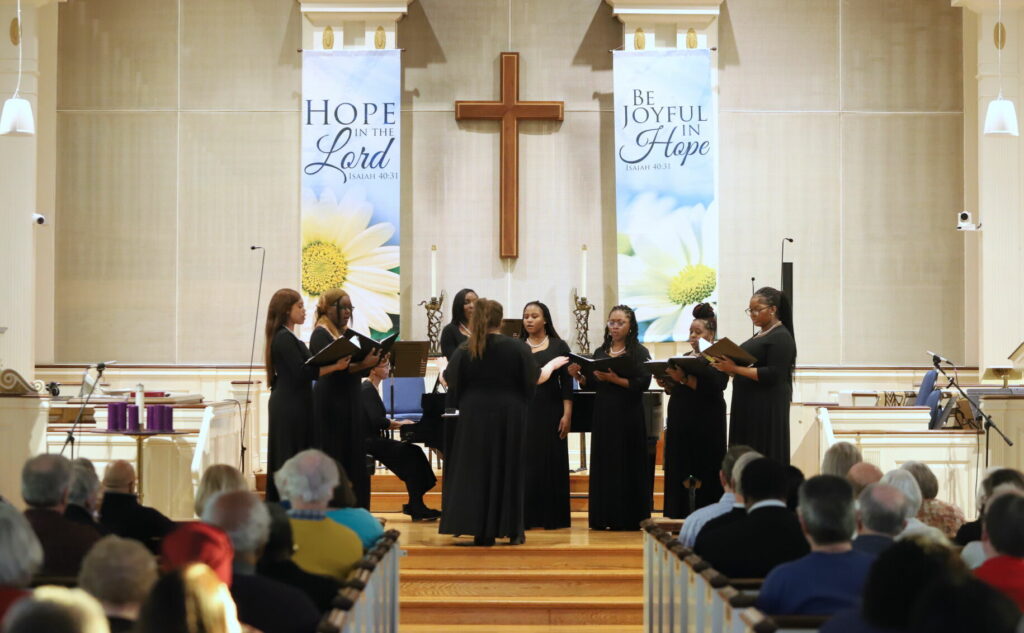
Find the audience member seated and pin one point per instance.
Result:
(963, 604)
(862, 475)
(119, 572)
(1003, 537)
(971, 531)
(945, 517)
(56, 610)
(903, 481)
(45, 481)
(121, 512)
(307, 481)
(879, 518)
(839, 458)
(21, 556)
(84, 495)
(794, 479)
(739, 508)
(192, 599)
(693, 523)
(198, 543)
(277, 562)
(766, 536)
(897, 579)
(263, 603)
(345, 511)
(218, 478)
(831, 577)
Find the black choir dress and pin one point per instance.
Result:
(290, 409)
(547, 455)
(451, 338)
(759, 416)
(695, 442)
(620, 484)
(338, 411)
(484, 475)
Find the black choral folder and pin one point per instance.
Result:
(621, 365)
(367, 344)
(338, 349)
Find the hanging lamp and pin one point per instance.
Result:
(16, 118)
(1001, 117)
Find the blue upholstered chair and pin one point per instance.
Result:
(932, 402)
(408, 398)
(927, 387)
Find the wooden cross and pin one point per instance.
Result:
(509, 110)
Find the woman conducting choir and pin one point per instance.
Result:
(490, 380)
(337, 405)
(291, 383)
(457, 330)
(695, 426)
(759, 416)
(547, 424)
(620, 484)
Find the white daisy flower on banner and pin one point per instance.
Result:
(668, 260)
(340, 249)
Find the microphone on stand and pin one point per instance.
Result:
(252, 353)
(753, 329)
(787, 271)
(70, 440)
(936, 359)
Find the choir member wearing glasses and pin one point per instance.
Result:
(337, 403)
(290, 409)
(759, 416)
(695, 425)
(620, 481)
(547, 424)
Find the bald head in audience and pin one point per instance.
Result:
(881, 510)
(119, 477)
(863, 474)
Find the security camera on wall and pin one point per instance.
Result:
(965, 223)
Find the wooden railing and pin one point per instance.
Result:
(683, 594)
(368, 599)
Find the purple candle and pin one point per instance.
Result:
(152, 418)
(133, 417)
(169, 419)
(120, 416)
(112, 416)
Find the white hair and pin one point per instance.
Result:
(310, 476)
(45, 480)
(21, 554)
(242, 516)
(85, 483)
(56, 610)
(905, 482)
(737, 469)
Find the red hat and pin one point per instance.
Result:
(198, 543)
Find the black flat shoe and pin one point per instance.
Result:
(483, 541)
(421, 513)
(519, 539)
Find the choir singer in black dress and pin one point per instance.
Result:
(620, 485)
(290, 409)
(457, 330)
(695, 425)
(337, 404)
(490, 381)
(547, 424)
(761, 394)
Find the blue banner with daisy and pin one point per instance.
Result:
(666, 148)
(351, 192)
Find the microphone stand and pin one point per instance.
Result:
(976, 406)
(70, 440)
(252, 353)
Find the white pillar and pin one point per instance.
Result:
(351, 24)
(651, 24)
(998, 268)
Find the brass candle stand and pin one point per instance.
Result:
(433, 308)
(581, 310)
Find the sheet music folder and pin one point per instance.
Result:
(367, 344)
(340, 348)
(621, 365)
(725, 347)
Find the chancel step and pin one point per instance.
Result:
(553, 610)
(540, 559)
(525, 583)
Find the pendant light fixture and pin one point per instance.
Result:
(16, 118)
(1001, 118)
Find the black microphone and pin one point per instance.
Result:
(100, 367)
(936, 359)
(252, 248)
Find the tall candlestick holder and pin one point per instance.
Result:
(433, 308)
(581, 311)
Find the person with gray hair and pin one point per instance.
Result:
(56, 610)
(839, 458)
(119, 572)
(263, 603)
(879, 518)
(84, 495)
(726, 476)
(831, 577)
(45, 482)
(739, 504)
(325, 547)
(905, 482)
(21, 556)
(945, 517)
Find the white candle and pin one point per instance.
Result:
(433, 271)
(583, 273)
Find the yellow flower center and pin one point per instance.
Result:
(323, 267)
(693, 284)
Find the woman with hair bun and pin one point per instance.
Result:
(761, 394)
(695, 426)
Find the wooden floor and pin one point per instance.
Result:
(560, 581)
